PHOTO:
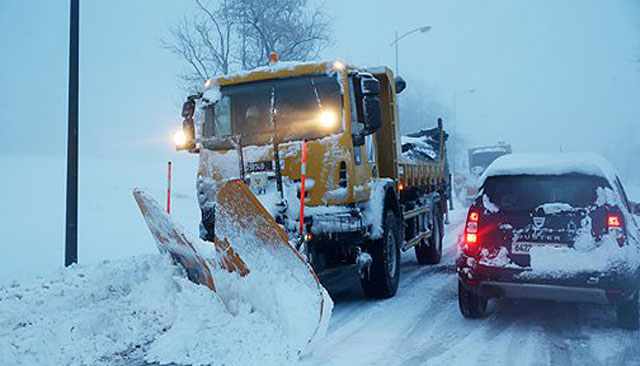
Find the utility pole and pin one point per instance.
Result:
(71, 233)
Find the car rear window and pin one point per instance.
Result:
(526, 192)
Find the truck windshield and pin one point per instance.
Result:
(307, 107)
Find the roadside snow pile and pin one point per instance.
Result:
(127, 311)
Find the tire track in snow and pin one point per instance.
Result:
(630, 353)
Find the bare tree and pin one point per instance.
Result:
(226, 35)
(203, 41)
(288, 27)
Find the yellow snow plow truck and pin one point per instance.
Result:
(319, 147)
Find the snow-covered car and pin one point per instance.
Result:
(551, 226)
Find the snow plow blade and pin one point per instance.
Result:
(250, 242)
(186, 249)
(260, 240)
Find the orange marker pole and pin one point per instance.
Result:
(302, 185)
(169, 187)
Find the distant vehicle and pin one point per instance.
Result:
(479, 159)
(551, 226)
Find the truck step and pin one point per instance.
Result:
(416, 240)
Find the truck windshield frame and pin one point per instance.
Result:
(306, 107)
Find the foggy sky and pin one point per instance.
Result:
(549, 75)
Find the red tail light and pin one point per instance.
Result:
(614, 226)
(470, 245)
(613, 221)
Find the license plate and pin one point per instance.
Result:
(524, 247)
(259, 166)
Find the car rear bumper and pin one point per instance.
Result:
(601, 288)
(544, 292)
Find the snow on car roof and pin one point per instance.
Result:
(550, 164)
(489, 149)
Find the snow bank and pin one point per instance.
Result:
(550, 164)
(127, 311)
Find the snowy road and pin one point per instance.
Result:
(422, 325)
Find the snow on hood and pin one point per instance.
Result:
(550, 164)
(129, 311)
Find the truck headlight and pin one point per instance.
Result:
(327, 119)
(179, 139)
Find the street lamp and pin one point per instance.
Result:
(455, 122)
(422, 29)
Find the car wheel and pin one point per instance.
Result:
(627, 314)
(472, 306)
(430, 252)
(382, 278)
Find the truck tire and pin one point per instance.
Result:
(382, 278)
(430, 252)
(472, 306)
(627, 314)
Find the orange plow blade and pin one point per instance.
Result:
(263, 243)
(274, 277)
(186, 249)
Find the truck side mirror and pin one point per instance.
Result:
(634, 207)
(372, 113)
(400, 84)
(370, 86)
(188, 108)
(188, 140)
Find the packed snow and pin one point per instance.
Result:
(132, 310)
(550, 164)
(422, 146)
(555, 207)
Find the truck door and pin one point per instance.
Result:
(364, 155)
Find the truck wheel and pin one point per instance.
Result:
(472, 306)
(627, 314)
(382, 278)
(430, 252)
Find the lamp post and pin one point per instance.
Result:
(71, 231)
(422, 29)
(455, 122)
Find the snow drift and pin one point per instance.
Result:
(141, 309)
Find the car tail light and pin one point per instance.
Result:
(470, 245)
(615, 228)
(613, 221)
